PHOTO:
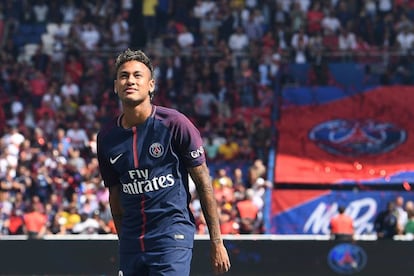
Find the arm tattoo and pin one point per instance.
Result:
(202, 180)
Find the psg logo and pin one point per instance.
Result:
(347, 258)
(156, 150)
(357, 137)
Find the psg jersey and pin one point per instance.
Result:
(148, 163)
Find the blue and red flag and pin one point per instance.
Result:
(330, 137)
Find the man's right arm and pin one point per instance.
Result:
(116, 209)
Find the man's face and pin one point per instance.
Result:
(134, 83)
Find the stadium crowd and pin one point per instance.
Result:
(219, 62)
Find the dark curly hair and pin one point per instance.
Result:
(138, 55)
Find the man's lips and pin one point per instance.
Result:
(130, 90)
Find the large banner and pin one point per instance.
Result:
(328, 136)
(365, 136)
(309, 212)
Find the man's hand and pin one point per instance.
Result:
(219, 257)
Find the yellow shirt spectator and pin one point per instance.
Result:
(149, 7)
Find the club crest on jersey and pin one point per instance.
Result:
(156, 150)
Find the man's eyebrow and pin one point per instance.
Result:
(127, 72)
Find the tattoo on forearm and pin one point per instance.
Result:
(202, 179)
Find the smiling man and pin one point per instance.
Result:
(145, 156)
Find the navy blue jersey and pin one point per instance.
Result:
(149, 164)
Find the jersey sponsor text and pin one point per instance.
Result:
(140, 183)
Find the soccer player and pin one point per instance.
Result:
(145, 156)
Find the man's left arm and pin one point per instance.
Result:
(219, 256)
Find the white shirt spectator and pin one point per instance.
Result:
(299, 39)
(238, 41)
(285, 4)
(89, 111)
(88, 226)
(77, 136)
(16, 107)
(69, 88)
(120, 33)
(385, 5)
(347, 41)
(40, 11)
(127, 5)
(405, 40)
(330, 24)
(185, 39)
(12, 141)
(69, 11)
(304, 4)
(202, 8)
(371, 7)
(90, 36)
(203, 101)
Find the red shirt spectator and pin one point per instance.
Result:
(74, 68)
(248, 213)
(34, 223)
(342, 225)
(314, 17)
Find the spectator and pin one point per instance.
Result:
(342, 226)
(297, 16)
(261, 138)
(69, 89)
(211, 148)
(87, 225)
(51, 99)
(209, 25)
(409, 226)
(253, 29)
(299, 46)
(14, 225)
(70, 217)
(69, 10)
(238, 44)
(343, 13)
(386, 222)
(248, 214)
(221, 179)
(185, 40)
(402, 215)
(405, 40)
(228, 222)
(205, 104)
(38, 87)
(89, 36)
(73, 67)
(347, 42)
(120, 32)
(229, 150)
(314, 17)
(77, 136)
(40, 11)
(35, 222)
(330, 23)
(88, 110)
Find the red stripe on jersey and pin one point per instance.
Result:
(136, 164)
(144, 222)
(134, 146)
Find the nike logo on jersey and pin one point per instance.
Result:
(113, 160)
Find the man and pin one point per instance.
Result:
(145, 156)
(386, 222)
(342, 226)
